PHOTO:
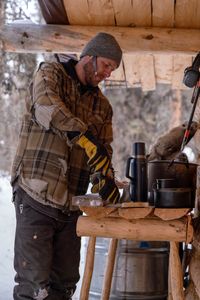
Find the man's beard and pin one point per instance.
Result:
(90, 77)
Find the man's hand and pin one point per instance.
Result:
(109, 191)
(106, 187)
(95, 177)
(99, 160)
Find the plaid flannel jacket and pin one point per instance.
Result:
(48, 166)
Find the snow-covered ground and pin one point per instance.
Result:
(7, 231)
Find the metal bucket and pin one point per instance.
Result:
(183, 174)
(140, 273)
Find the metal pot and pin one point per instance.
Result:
(165, 183)
(173, 197)
(183, 174)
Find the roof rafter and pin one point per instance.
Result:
(32, 38)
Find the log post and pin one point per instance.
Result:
(89, 265)
(176, 275)
(109, 269)
(169, 283)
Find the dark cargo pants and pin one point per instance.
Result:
(47, 254)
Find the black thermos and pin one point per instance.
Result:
(136, 171)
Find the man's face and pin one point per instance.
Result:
(98, 69)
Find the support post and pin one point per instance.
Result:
(107, 282)
(176, 274)
(89, 265)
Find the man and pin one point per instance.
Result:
(65, 137)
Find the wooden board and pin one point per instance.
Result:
(180, 62)
(138, 204)
(89, 12)
(187, 13)
(147, 72)
(176, 107)
(77, 11)
(163, 68)
(132, 68)
(118, 74)
(135, 213)
(132, 13)
(190, 231)
(99, 212)
(163, 13)
(170, 214)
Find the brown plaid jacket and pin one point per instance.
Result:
(48, 166)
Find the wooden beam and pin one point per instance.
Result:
(140, 229)
(32, 38)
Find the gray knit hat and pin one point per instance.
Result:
(104, 45)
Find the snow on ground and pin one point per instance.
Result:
(7, 232)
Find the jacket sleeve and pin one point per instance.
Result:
(105, 134)
(49, 109)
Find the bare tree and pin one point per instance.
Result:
(15, 73)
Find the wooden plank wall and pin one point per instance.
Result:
(144, 70)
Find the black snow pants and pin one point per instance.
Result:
(47, 254)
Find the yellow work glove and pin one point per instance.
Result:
(106, 187)
(108, 190)
(99, 160)
(94, 178)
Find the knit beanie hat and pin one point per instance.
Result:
(104, 45)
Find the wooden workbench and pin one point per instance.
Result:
(134, 222)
